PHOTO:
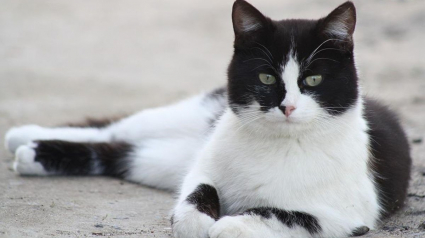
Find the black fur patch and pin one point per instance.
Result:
(391, 160)
(359, 231)
(205, 198)
(289, 218)
(72, 158)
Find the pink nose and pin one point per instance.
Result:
(287, 110)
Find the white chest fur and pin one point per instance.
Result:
(325, 174)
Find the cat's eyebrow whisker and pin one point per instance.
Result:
(312, 56)
(258, 48)
(265, 49)
(268, 63)
(314, 51)
(262, 66)
(321, 59)
(258, 58)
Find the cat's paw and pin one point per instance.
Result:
(25, 163)
(188, 222)
(231, 227)
(22, 135)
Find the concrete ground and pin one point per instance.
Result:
(64, 60)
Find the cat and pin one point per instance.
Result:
(290, 148)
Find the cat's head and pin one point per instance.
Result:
(292, 73)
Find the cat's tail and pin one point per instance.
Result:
(56, 157)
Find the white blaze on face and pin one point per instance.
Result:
(291, 71)
(306, 108)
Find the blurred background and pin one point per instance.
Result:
(62, 61)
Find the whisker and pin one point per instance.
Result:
(314, 51)
(262, 66)
(265, 49)
(257, 59)
(312, 56)
(258, 48)
(321, 59)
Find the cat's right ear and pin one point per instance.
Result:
(339, 25)
(248, 22)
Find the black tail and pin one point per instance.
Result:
(72, 158)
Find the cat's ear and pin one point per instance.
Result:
(248, 22)
(340, 24)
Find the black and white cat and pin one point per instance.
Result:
(290, 149)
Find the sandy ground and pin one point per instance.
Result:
(64, 60)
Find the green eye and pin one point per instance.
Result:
(313, 80)
(267, 79)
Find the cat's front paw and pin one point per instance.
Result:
(25, 163)
(18, 136)
(188, 222)
(231, 227)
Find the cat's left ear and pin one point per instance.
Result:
(248, 23)
(340, 25)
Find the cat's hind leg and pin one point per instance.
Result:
(189, 118)
(161, 144)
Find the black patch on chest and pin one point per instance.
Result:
(289, 218)
(205, 198)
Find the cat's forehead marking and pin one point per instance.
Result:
(290, 74)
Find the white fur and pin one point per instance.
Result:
(189, 223)
(290, 74)
(18, 136)
(25, 163)
(247, 226)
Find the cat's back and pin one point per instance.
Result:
(391, 159)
